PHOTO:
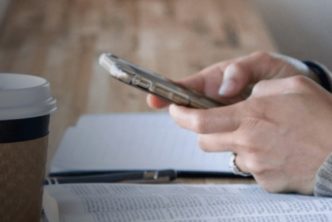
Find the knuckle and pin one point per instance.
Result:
(298, 82)
(203, 144)
(260, 87)
(255, 110)
(246, 141)
(249, 134)
(266, 59)
(255, 167)
(261, 55)
(252, 126)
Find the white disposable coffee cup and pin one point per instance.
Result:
(25, 107)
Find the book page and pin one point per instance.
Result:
(136, 141)
(130, 202)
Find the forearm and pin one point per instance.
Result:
(323, 185)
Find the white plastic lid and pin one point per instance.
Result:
(24, 96)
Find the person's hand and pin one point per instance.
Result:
(230, 81)
(281, 133)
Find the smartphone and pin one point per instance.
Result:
(154, 83)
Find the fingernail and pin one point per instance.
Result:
(227, 87)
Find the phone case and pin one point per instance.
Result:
(153, 83)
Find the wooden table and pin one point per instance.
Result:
(61, 40)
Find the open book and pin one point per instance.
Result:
(216, 203)
(134, 141)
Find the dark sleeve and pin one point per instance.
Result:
(322, 74)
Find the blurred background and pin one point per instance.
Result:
(61, 40)
(301, 29)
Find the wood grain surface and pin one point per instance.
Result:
(61, 40)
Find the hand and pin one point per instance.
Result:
(281, 133)
(230, 81)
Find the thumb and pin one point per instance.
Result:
(235, 80)
(251, 69)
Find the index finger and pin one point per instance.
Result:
(206, 121)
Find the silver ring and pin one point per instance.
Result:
(235, 169)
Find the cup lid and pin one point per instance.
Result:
(24, 96)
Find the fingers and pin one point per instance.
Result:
(295, 84)
(218, 142)
(235, 80)
(270, 88)
(232, 77)
(207, 81)
(223, 142)
(207, 121)
(245, 71)
(230, 80)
